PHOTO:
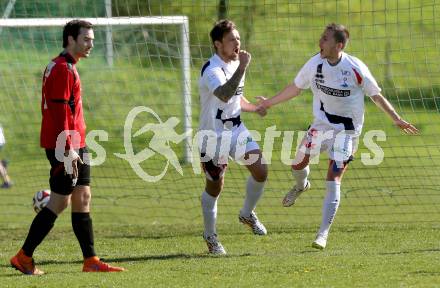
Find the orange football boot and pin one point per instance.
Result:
(93, 264)
(25, 264)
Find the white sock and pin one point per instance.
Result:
(301, 176)
(330, 206)
(209, 208)
(254, 190)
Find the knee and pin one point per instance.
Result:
(261, 174)
(2, 170)
(334, 178)
(299, 166)
(214, 188)
(63, 205)
(81, 199)
(59, 205)
(85, 198)
(301, 161)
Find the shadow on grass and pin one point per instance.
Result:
(410, 252)
(173, 256)
(282, 230)
(425, 273)
(139, 259)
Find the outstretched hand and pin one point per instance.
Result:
(406, 127)
(262, 106)
(261, 111)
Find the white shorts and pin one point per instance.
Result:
(338, 144)
(218, 147)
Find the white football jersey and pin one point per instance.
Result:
(338, 91)
(215, 73)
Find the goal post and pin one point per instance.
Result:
(182, 21)
(152, 66)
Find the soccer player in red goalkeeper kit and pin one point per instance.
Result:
(339, 83)
(63, 137)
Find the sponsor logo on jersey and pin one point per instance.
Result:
(332, 91)
(245, 141)
(344, 82)
(345, 73)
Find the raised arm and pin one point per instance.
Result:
(386, 106)
(227, 90)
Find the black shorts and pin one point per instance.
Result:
(213, 171)
(60, 182)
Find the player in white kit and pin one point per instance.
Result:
(339, 83)
(7, 183)
(221, 97)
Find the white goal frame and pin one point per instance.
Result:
(152, 20)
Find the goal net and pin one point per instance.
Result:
(144, 69)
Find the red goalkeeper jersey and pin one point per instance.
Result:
(61, 104)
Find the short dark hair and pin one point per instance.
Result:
(340, 33)
(73, 28)
(220, 28)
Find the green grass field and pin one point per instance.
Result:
(173, 256)
(387, 230)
